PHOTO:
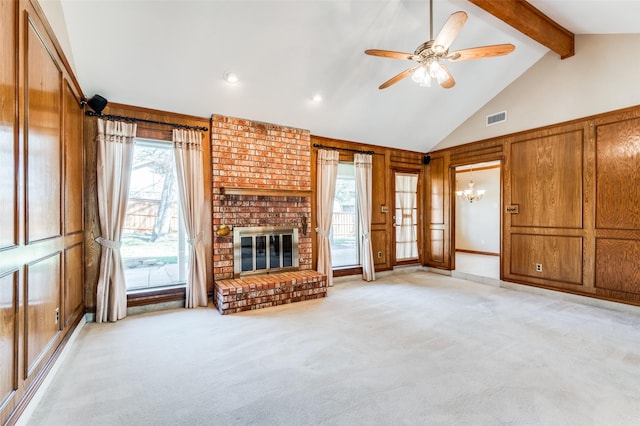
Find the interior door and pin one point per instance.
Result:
(405, 217)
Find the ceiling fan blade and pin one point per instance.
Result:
(450, 81)
(449, 31)
(389, 54)
(481, 52)
(397, 78)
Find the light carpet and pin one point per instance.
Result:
(411, 348)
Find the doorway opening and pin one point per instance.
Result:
(477, 219)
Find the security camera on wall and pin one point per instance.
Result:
(97, 103)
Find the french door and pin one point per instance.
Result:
(405, 217)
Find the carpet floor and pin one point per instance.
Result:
(411, 348)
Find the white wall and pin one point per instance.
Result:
(604, 75)
(478, 223)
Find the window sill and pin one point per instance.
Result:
(343, 272)
(160, 295)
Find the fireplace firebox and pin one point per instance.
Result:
(264, 249)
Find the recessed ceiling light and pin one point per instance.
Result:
(317, 98)
(231, 77)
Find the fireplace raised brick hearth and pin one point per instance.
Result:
(267, 290)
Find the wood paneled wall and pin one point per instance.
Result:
(41, 202)
(148, 131)
(576, 188)
(385, 162)
(547, 177)
(440, 188)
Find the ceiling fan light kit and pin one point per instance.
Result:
(431, 54)
(430, 68)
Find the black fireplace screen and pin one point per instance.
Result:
(265, 249)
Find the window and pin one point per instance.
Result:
(153, 240)
(344, 237)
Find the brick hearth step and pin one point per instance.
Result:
(264, 291)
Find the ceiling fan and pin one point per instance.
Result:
(430, 54)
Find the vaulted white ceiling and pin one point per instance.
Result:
(171, 55)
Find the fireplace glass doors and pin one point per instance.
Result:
(264, 249)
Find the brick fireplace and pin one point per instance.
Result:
(261, 178)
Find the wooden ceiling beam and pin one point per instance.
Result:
(525, 18)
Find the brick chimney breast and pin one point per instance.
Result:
(255, 155)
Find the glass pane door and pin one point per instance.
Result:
(406, 216)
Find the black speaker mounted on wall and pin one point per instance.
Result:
(426, 159)
(97, 103)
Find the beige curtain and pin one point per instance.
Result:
(187, 146)
(115, 142)
(326, 188)
(363, 164)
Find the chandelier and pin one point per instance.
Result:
(470, 194)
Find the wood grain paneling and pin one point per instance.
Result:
(73, 163)
(8, 195)
(560, 257)
(618, 175)
(378, 194)
(546, 176)
(36, 106)
(379, 245)
(437, 182)
(617, 265)
(437, 245)
(42, 294)
(73, 280)
(478, 152)
(8, 154)
(437, 242)
(91, 221)
(405, 159)
(8, 335)
(42, 145)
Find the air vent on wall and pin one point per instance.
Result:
(496, 118)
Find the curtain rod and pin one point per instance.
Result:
(317, 145)
(133, 119)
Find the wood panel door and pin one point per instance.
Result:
(438, 239)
